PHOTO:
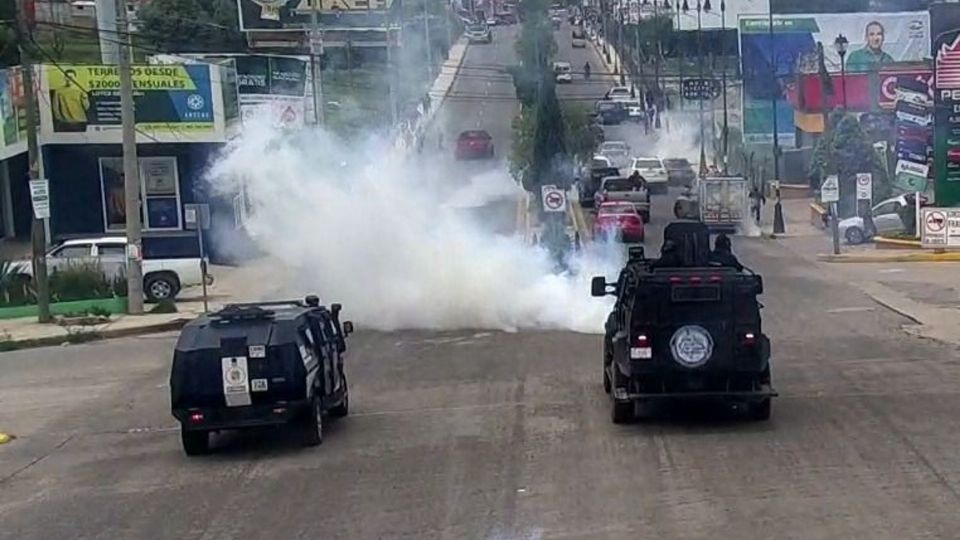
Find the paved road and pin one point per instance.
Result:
(478, 434)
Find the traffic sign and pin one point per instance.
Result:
(864, 186)
(700, 89)
(830, 189)
(554, 199)
(941, 227)
(40, 197)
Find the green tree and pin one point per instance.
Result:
(192, 26)
(9, 56)
(845, 151)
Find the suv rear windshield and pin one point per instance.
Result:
(676, 163)
(477, 28)
(647, 164)
(620, 184)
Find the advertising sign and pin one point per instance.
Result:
(294, 15)
(946, 137)
(13, 116)
(910, 177)
(770, 64)
(940, 227)
(271, 86)
(81, 103)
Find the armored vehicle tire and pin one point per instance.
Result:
(311, 425)
(760, 411)
(343, 408)
(195, 442)
(621, 412)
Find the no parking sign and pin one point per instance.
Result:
(554, 199)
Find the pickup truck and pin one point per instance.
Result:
(163, 278)
(621, 189)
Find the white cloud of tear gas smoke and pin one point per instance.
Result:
(383, 237)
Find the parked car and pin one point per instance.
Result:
(479, 33)
(163, 278)
(618, 152)
(618, 93)
(474, 144)
(652, 169)
(578, 39)
(886, 220)
(506, 19)
(679, 171)
(635, 110)
(620, 221)
(563, 72)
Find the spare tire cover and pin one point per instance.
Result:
(691, 345)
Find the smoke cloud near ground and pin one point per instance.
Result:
(392, 241)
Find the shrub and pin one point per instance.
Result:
(79, 281)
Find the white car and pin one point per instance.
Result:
(619, 93)
(162, 278)
(563, 71)
(635, 110)
(886, 220)
(479, 33)
(653, 171)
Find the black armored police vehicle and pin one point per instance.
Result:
(262, 364)
(685, 326)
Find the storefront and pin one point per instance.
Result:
(185, 115)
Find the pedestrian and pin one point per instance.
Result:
(757, 200)
(426, 102)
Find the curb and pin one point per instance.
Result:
(880, 240)
(95, 335)
(884, 258)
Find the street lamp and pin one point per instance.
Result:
(841, 45)
(723, 77)
(700, 9)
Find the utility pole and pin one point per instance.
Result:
(131, 169)
(37, 232)
(773, 100)
(316, 70)
(723, 84)
(426, 33)
(106, 29)
(390, 78)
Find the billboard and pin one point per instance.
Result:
(770, 64)
(295, 15)
(946, 135)
(13, 115)
(267, 85)
(174, 103)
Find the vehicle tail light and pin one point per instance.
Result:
(676, 279)
(279, 410)
(749, 338)
(715, 279)
(695, 279)
(641, 349)
(196, 417)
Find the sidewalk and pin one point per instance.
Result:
(908, 282)
(233, 284)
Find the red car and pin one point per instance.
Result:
(474, 144)
(618, 220)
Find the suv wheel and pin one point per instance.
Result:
(160, 287)
(343, 408)
(621, 412)
(195, 442)
(311, 430)
(760, 411)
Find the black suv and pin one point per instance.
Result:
(686, 329)
(263, 364)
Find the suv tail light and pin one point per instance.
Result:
(641, 349)
(749, 339)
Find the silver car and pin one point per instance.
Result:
(886, 220)
(621, 189)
